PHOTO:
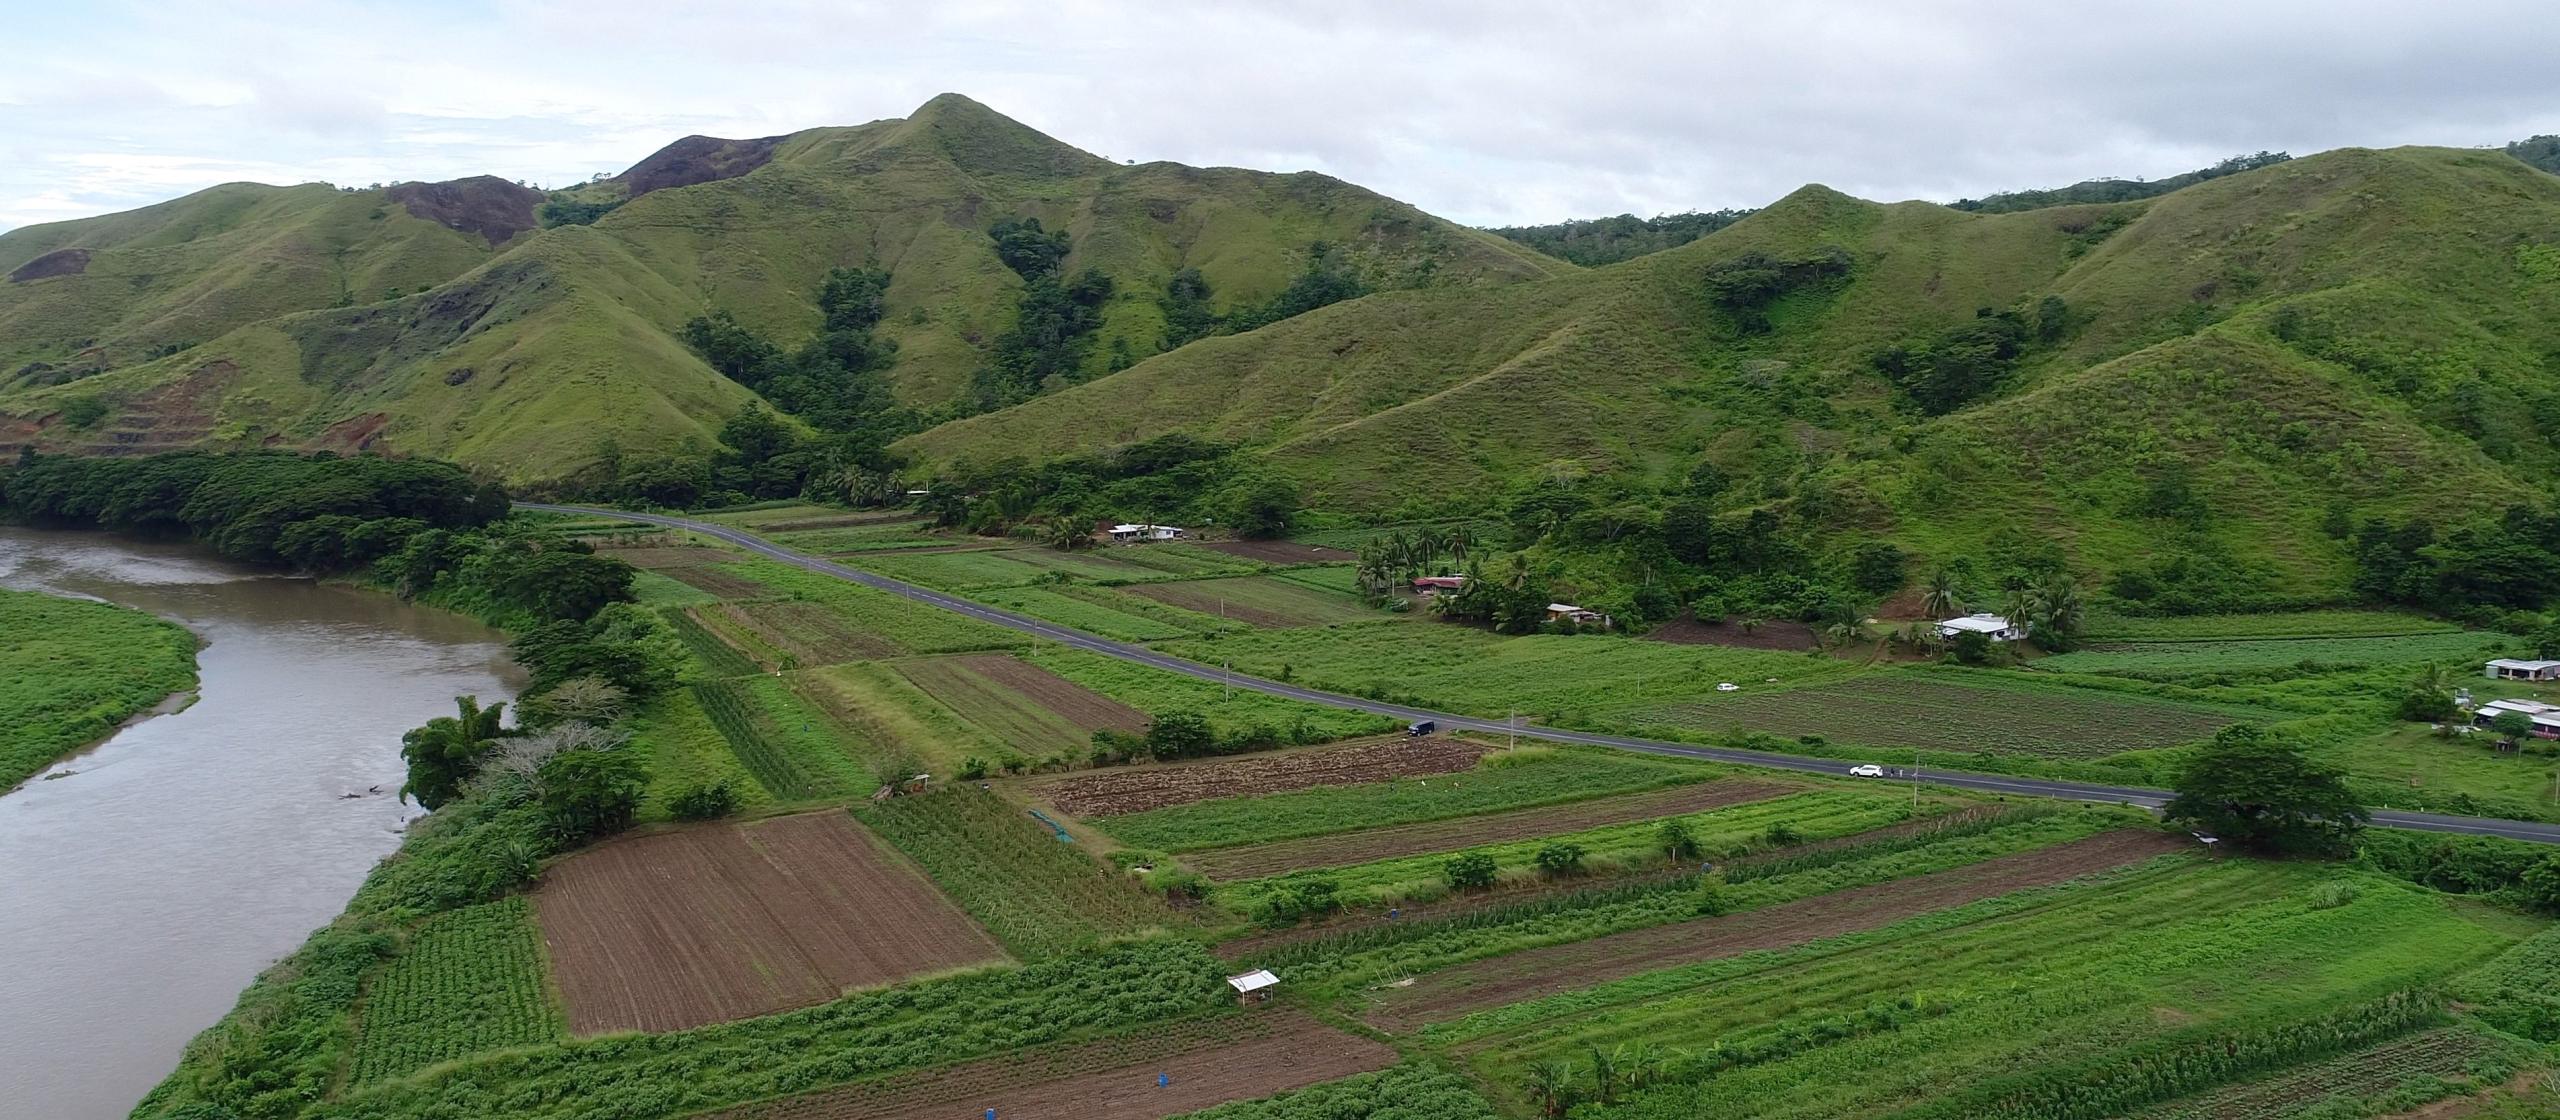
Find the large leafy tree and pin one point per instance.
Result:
(2263, 793)
(447, 750)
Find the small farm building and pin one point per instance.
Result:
(1145, 533)
(1991, 626)
(1253, 987)
(1579, 616)
(1433, 585)
(2511, 669)
(2545, 717)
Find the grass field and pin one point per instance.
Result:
(886, 718)
(2171, 658)
(1939, 713)
(467, 982)
(1529, 777)
(72, 669)
(1040, 896)
(1231, 711)
(1107, 612)
(1456, 668)
(906, 626)
(962, 571)
(686, 750)
(2107, 628)
(1263, 601)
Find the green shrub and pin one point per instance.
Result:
(705, 802)
(1559, 858)
(1471, 871)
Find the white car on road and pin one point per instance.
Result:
(1870, 770)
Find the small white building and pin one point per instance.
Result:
(1579, 616)
(2513, 669)
(1129, 533)
(2545, 717)
(1991, 626)
(1254, 986)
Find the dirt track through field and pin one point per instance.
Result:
(663, 557)
(1111, 793)
(719, 922)
(1532, 973)
(1208, 1062)
(1254, 861)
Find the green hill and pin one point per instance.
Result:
(344, 319)
(2367, 329)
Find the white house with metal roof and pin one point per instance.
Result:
(2516, 669)
(1991, 626)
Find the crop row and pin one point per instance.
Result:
(1514, 780)
(793, 763)
(2091, 990)
(717, 658)
(2420, 1059)
(1038, 895)
(1908, 710)
(2171, 658)
(468, 981)
(1718, 834)
(1407, 1092)
(653, 1077)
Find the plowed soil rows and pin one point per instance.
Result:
(717, 582)
(1032, 709)
(1515, 892)
(1208, 1062)
(1254, 861)
(660, 557)
(810, 634)
(680, 929)
(1113, 793)
(1559, 968)
(1256, 601)
(1280, 552)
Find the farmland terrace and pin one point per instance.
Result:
(1094, 643)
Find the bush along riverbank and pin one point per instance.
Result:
(74, 670)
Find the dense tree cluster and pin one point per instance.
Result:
(835, 381)
(316, 513)
(1173, 479)
(2509, 564)
(1745, 287)
(1055, 318)
(2115, 190)
(1954, 367)
(1599, 241)
(1328, 277)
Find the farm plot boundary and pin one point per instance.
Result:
(1032, 710)
(1207, 1062)
(1258, 600)
(1907, 710)
(1580, 964)
(707, 924)
(1372, 845)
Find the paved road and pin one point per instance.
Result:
(1986, 783)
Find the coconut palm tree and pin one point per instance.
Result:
(445, 752)
(1943, 599)
(2059, 613)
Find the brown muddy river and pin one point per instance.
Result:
(142, 891)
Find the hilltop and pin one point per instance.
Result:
(441, 319)
(2359, 332)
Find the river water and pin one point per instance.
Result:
(141, 892)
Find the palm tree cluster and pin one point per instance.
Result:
(1404, 555)
(1558, 1084)
(2051, 608)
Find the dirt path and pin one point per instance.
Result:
(1450, 993)
(1527, 890)
(1254, 861)
(1111, 793)
(1206, 1062)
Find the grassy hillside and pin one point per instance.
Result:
(528, 361)
(2371, 329)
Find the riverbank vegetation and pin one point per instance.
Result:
(71, 670)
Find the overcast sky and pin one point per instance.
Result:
(1478, 110)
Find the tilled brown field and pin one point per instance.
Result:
(707, 924)
(1514, 892)
(1111, 793)
(662, 557)
(1280, 552)
(1254, 861)
(1532, 973)
(716, 582)
(809, 633)
(1209, 1062)
(1082, 708)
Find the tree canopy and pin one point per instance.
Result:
(2259, 792)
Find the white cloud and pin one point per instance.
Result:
(1487, 112)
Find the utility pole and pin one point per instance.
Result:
(1915, 781)
(1230, 668)
(1514, 724)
